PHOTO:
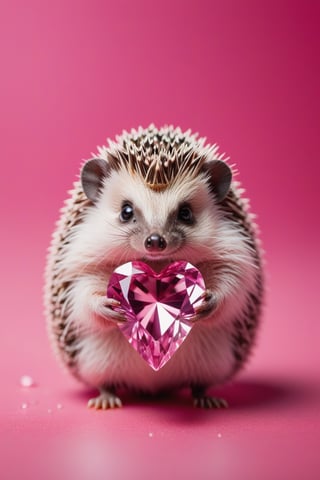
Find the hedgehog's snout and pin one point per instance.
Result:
(155, 243)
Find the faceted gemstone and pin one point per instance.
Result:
(157, 306)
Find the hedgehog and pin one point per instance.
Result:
(158, 196)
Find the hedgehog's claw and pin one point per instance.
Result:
(207, 306)
(201, 400)
(209, 402)
(109, 308)
(107, 399)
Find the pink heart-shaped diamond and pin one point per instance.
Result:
(157, 306)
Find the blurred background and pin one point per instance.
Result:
(246, 75)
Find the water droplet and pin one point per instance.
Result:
(59, 406)
(150, 434)
(49, 410)
(24, 406)
(219, 435)
(26, 381)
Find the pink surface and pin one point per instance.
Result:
(246, 75)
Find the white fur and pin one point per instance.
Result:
(101, 242)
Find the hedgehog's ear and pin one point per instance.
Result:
(220, 178)
(92, 175)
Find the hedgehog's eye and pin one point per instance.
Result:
(185, 214)
(126, 213)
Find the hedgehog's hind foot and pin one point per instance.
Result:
(201, 400)
(209, 402)
(107, 399)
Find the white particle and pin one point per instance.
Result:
(59, 406)
(219, 435)
(24, 406)
(150, 434)
(49, 410)
(26, 381)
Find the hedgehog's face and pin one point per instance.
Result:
(157, 225)
(175, 223)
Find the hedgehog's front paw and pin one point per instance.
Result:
(207, 306)
(108, 308)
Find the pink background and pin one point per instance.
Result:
(246, 75)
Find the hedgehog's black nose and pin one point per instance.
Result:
(155, 242)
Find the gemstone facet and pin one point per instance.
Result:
(157, 306)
